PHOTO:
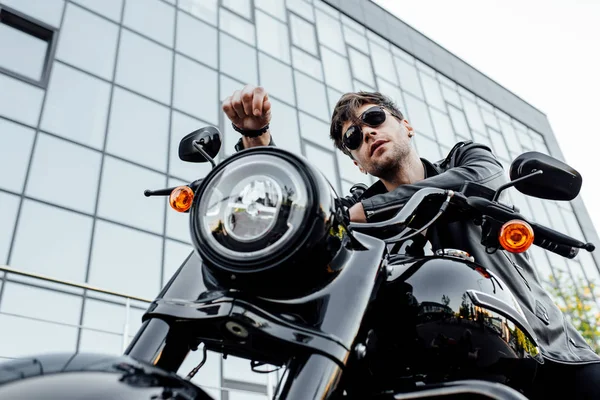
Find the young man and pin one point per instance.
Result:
(375, 135)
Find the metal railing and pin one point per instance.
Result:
(125, 331)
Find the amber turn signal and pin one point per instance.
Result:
(516, 236)
(181, 198)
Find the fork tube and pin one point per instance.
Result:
(309, 377)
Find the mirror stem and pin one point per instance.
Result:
(197, 146)
(513, 183)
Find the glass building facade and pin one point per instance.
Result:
(96, 94)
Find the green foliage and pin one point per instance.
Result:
(579, 306)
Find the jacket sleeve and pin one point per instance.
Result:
(239, 146)
(474, 163)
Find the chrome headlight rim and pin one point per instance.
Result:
(213, 257)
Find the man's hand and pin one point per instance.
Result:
(357, 213)
(250, 108)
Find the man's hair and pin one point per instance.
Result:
(346, 108)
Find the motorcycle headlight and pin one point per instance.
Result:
(250, 210)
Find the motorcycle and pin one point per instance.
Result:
(281, 277)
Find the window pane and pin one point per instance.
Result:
(242, 7)
(409, 80)
(272, 36)
(306, 63)
(451, 96)
(314, 130)
(325, 162)
(98, 342)
(49, 304)
(22, 337)
(232, 51)
(76, 106)
(181, 125)
(498, 144)
(428, 149)
(356, 39)
(273, 7)
(135, 120)
(392, 92)
(418, 115)
(175, 254)
(195, 90)
(459, 122)
(443, 128)
(189, 30)
(433, 94)
(361, 86)
(489, 118)
(573, 225)
(333, 96)
(130, 255)
(20, 101)
(62, 242)
(108, 8)
(58, 168)
(311, 96)
(303, 34)
(302, 8)
(361, 66)
(204, 9)
(337, 70)
(120, 181)
(383, 63)
(402, 55)
(79, 30)
(153, 18)
(277, 78)
(8, 215)
(473, 116)
(15, 150)
(153, 77)
(238, 369)
(329, 30)
(236, 26)
(22, 53)
(178, 224)
(510, 136)
(284, 126)
(48, 11)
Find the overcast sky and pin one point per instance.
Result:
(545, 51)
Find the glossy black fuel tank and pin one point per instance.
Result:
(91, 376)
(449, 318)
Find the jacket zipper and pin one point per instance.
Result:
(370, 213)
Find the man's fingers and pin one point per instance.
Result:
(257, 102)
(228, 109)
(236, 102)
(247, 95)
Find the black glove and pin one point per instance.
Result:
(356, 192)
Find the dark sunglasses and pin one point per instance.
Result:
(353, 137)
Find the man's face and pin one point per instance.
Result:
(383, 147)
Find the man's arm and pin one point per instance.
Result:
(250, 109)
(475, 163)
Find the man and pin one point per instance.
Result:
(375, 135)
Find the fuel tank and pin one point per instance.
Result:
(91, 377)
(445, 318)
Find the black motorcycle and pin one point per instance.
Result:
(280, 277)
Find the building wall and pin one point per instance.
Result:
(92, 110)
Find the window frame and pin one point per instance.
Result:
(38, 29)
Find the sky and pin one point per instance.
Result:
(545, 51)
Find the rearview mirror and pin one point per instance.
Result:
(558, 181)
(208, 138)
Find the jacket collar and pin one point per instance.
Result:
(379, 188)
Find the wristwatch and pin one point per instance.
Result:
(250, 132)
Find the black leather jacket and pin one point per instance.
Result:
(467, 161)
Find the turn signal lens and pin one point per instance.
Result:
(516, 236)
(181, 198)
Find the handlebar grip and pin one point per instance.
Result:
(560, 249)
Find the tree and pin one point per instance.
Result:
(579, 306)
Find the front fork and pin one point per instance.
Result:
(307, 377)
